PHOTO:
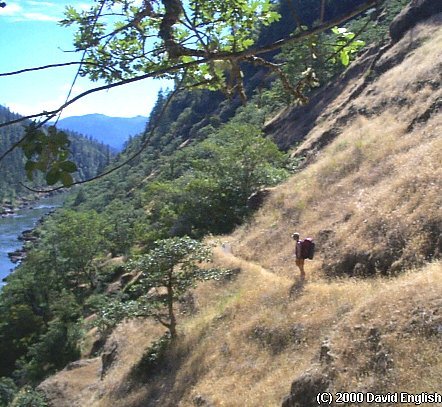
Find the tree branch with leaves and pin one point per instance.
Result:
(202, 43)
(163, 276)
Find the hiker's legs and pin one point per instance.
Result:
(300, 264)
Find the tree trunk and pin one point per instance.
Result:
(172, 319)
(322, 16)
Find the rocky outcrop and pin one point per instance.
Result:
(316, 124)
(416, 11)
(67, 387)
(305, 389)
(202, 401)
(28, 237)
(108, 357)
(17, 255)
(292, 125)
(7, 209)
(256, 200)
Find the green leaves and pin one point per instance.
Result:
(163, 275)
(135, 38)
(168, 253)
(346, 46)
(213, 179)
(47, 151)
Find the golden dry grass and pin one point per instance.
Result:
(406, 312)
(377, 179)
(251, 337)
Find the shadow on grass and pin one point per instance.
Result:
(156, 374)
(297, 288)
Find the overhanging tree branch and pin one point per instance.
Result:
(145, 143)
(154, 74)
(39, 68)
(208, 57)
(213, 56)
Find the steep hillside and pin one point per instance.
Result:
(369, 193)
(89, 155)
(372, 195)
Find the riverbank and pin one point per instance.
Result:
(17, 231)
(28, 237)
(11, 207)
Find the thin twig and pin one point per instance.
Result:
(147, 137)
(357, 34)
(77, 74)
(322, 12)
(210, 57)
(39, 68)
(158, 72)
(294, 13)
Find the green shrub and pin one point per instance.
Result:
(7, 391)
(29, 397)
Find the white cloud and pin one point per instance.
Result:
(39, 17)
(82, 6)
(20, 108)
(41, 3)
(11, 9)
(32, 11)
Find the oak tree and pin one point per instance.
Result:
(198, 43)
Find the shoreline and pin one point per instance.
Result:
(30, 235)
(10, 208)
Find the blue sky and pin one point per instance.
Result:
(30, 37)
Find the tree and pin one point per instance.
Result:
(57, 345)
(200, 39)
(163, 276)
(199, 43)
(7, 391)
(73, 244)
(211, 182)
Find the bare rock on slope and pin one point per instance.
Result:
(305, 390)
(256, 200)
(318, 123)
(416, 11)
(77, 382)
(293, 124)
(108, 357)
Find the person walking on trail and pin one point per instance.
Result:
(298, 254)
(305, 249)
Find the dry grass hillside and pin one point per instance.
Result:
(372, 200)
(372, 197)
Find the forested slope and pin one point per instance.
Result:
(90, 157)
(245, 340)
(241, 340)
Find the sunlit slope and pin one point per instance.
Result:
(372, 201)
(372, 198)
(250, 338)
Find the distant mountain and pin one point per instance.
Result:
(113, 131)
(90, 156)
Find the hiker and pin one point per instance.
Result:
(305, 249)
(298, 254)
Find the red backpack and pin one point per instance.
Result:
(307, 248)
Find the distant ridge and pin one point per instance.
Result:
(113, 131)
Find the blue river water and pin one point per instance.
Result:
(11, 228)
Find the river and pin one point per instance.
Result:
(11, 228)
